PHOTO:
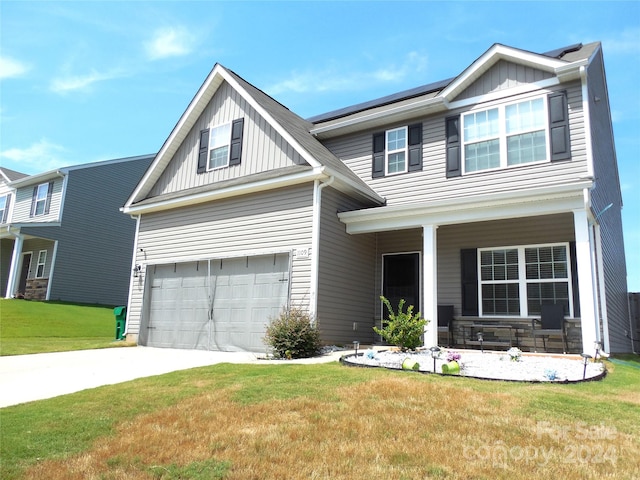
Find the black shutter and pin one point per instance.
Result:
(452, 127)
(33, 201)
(574, 279)
(203, 152)
(7, 206)
(559, 127)
(377, 167)
(236, 142)
(469, 274)
(47, 205)
(415, 147)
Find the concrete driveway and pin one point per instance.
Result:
(24, 378)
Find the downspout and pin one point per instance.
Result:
(318, 186)
(51, 269)
(132, 278)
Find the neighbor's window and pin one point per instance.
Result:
(396, 148)
(505, 135)
(42, 260)
(219, 146)
(41, 199)
(4, 210)
(518, 280)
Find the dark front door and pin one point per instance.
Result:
(24, 273)
(401, 279)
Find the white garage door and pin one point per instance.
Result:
(215, 305)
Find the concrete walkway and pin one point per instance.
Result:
(24, 378)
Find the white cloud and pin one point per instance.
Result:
(11, 68)
(335, 79)
(71, 83)
(39, 157)
(625, 42)
(170, 42)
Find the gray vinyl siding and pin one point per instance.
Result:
(24, 197)
(346, 276)
(34, 246)
(431, 183)
(277, 220)
(607, 191)
(501, 76)
(95, 240)
(263, 149)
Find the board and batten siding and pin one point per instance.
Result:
(606, 192)
(275, 221)
(263, 149)
(24, 197)
(431, 183)
(346, 275)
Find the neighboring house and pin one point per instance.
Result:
(493, 192)
(62, 236)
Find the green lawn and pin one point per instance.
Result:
(38, 327)
(329, 422)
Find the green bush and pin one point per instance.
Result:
(293, 335)
(402, 329)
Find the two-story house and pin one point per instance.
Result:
(62, 236)
(494, 192)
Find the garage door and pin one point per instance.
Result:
(215, 305)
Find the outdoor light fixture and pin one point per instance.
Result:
(356, 344)
(585, 357)
(136, 270)
(597, 346)
(435, 351)
(481, 339)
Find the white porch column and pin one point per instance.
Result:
(430, 284)
(15, 264)
(586, 280)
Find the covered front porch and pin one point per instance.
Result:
(494, 276)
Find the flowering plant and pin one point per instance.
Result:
(453, 357)
(514, 353)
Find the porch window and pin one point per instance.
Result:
(518, 280)
(396, 147)
(504, 136)
(42, 260)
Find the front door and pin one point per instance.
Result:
(24, 272)
(401, 279)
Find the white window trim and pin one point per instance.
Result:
(522, 277)
(502, 135)
(6, 199)
(388, 152)
(43, 200)
(228, 144)
(43, 264)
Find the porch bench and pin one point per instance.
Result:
(470, 332)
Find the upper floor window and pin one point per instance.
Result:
(505, 136)
(41, 200)
(220, 146)
(398, 150)
(396, 158)
(5, 202)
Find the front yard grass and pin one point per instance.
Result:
(39, 327)
(329, 422)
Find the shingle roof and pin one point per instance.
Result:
(12, 175)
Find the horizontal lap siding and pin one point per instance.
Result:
(263, 149)
(278, 220)
(607, 192)
(346, 275)
(503, 233)
(24, 197)
(431, 183)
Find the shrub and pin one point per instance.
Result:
(402, 329)
(293, 335)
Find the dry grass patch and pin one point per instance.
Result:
(402, 426)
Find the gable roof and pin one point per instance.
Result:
(11, 175)
(290, 126)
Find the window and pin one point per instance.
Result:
(219, 146)
(5, 201)
(505, 136)
(518, 280)
(396, 148)
(41, 200)
(42, 260)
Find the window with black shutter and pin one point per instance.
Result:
(220, 146)
(397, 151)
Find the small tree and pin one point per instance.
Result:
(402, 329)
(293, 335)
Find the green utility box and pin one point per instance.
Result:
(121, 318)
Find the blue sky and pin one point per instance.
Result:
(87, 81)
